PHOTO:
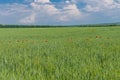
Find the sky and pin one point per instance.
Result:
(59, 12)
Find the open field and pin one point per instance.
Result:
(60, 53)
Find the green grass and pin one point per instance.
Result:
(60, 53)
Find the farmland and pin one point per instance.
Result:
(91, 53)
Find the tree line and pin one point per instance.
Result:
(50, 26)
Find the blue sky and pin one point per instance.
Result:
(59, 12)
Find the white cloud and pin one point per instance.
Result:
(45, 12)
(29, 19)
(69, 12)
(100, 5)
(92, 9)
(8, 9)
(42, 1)
(44, 8)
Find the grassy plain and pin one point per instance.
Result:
(60, 53)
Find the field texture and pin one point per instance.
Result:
(60, 53)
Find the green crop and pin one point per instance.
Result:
(60, 53)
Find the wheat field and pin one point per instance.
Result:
(60, 53)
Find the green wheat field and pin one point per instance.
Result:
(91, 53)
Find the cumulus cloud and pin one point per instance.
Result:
(100, 5)
(70, 12)
(42, 8)
(66, 11)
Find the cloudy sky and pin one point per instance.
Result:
(59, 12)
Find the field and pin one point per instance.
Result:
(60, 53)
